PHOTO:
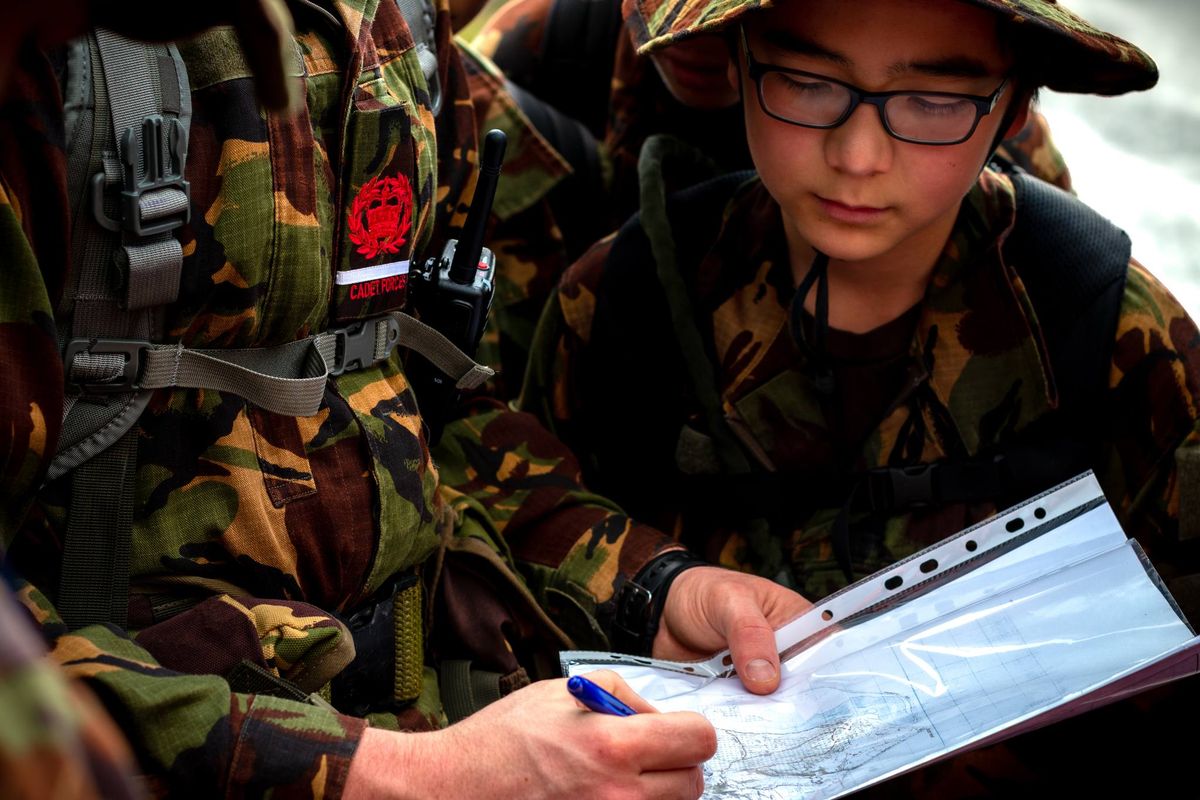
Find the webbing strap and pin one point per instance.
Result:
(94, 587)
(143, 84)
(442, 353)
(289, 379)
(152, 270)
(286, 379)
(464, 690)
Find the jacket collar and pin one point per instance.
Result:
(977, 337)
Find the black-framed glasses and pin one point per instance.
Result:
(811, 100)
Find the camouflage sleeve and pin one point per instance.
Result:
(55, 740)
(31, 392)
(562, 334)
(1152, 471)
(512, 36)
(192, 734)
(517, 486)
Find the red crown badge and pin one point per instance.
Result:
(380, 215)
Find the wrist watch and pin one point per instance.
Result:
(641, 599)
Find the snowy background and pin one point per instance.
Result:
(1136, 158)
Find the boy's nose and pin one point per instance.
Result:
(860, 145)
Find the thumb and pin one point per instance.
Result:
(752, 645)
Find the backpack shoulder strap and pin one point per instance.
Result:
(127, 106)
(680, 227)
(1073, 263)
(574, 197)
(644, 306)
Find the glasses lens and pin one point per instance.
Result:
(930, 118)
(804, 99)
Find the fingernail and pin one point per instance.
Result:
(760, 670)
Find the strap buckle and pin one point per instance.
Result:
(132, 349)
(157, 177)
(356, 344)
(633, 606)
(640, 600)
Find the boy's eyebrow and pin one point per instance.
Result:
(786, 40)
(958, 66)
(949, 67)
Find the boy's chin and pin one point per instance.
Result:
(849, 245)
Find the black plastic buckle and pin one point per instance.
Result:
(156, 177)
(897, 488)
(633, 607)
(132, 349)
(356, 344)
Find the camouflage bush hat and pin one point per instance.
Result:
(1063, 51)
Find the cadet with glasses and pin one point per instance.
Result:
(878, 340)
(578, 57)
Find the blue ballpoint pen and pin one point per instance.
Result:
(595, 698)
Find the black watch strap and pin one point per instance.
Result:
(641, 599)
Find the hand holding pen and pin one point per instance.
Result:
(595, 698)
(551, 748)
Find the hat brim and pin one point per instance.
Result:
(1062, 51)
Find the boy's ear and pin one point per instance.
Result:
(1024, 101)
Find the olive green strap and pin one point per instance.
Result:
(658, 155)
(465, 690)
(287, 379)
(661, 155)
(1187, 465)
(409, 667)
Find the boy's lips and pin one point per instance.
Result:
(846, 212)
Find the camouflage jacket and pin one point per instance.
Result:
(526, 235)
(57, 741)
(255, 535)
(973, 375)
